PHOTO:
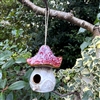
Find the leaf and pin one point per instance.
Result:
(17, 85)
(10, 96)
(87, 95)
(13, 32)
(17, 68)
(17, 33)
(2, 96)
(5, 55)
(13, 46)
(87, 80)
(8, 64)
(84, 45)
(97, 21)
(2, 62)
(98, 16)
(0, 74)
(20, 31)
(20, 60)
(79, 62)
(3, 83)
(85, 71)
(46, 96)
(81, 30)
(28, 73)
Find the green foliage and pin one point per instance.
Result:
(62, 36)
(3, 83)
(12, 65)
(17, 85)
(86, 43)
(22, 32)
(2, 96)
(84, 76)
(25, 27)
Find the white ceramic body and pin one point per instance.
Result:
(42, 80)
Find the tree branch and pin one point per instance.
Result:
(63, 15)
(71, 93)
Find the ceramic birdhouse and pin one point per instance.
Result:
(42, 78)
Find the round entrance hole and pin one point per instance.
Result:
(37, 78)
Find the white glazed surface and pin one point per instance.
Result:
(47, 82)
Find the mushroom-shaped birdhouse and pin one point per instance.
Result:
(42, 78)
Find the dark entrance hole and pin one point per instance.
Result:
(37, 78)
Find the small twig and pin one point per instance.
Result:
(70, 93)
(5, 89)
(77, 95)
(63, 95)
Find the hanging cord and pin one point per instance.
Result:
(46, 24)
(46, 20)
